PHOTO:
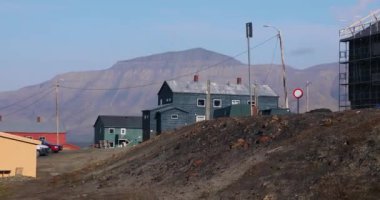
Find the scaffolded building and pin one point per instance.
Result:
(359, 64)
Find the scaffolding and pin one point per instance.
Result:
(359, 64)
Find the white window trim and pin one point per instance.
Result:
(235, 102)
(109, 130)
(123, 131)
(213, 103)
(174, 116)
(204, 104)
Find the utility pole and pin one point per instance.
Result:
(283, 65)
(256, 93)
(208, 101)
(248, 29)
(308, 83)
(57, 109)
(283, 70)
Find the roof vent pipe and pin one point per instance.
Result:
(1, 118)
(196, 78)
(39, 119)
(238, 80)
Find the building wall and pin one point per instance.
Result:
(364, 72)
(99, 133)
(165, 95)
(50, 137)
(267, 102)
(146, 124)
(17, 154)
(188, 102)
(169, 124)
(134, 136)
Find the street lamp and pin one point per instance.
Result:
(283, 64)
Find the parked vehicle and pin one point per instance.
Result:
(53, 147)
(42, 150)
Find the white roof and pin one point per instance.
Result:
(230, 89)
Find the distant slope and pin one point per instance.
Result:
(83, 95)
(307, 156)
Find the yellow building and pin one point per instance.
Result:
(18, 154)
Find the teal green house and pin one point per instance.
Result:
(118, 131)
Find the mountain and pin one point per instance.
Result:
(130, 86)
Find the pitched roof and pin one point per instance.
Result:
(216, 88)
(120, 121)
(166, 107)
(19, 138)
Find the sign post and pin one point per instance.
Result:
(298, 93)
(248, 31)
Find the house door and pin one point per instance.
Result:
(116, 140)
(158, 123)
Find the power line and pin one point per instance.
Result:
(175, 77)
(271, 64)
(17, 102)
(34, 102)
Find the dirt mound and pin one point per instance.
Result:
(308, 156)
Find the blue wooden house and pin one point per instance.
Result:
(118, 130)
(184, 102)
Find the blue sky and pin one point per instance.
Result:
(42, 38)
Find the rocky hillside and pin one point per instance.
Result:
(308, 156)
(84, 95)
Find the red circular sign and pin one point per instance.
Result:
(297, 93)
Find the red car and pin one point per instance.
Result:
(53, 147)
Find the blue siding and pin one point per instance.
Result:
(169, 124)
(185, 106)
(188, 102)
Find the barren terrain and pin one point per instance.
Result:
(307, 156)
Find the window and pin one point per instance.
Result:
(174, 116)
(249, 102)
(235, 102)
(217, 103)
(199, 118)
(201, 102)
(42, 138)
(146, 116)
(111, 130)
(123, 131)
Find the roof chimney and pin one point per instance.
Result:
(196, 78)
(39, 119)
(238, 80)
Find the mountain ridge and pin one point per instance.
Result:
(87, 94)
